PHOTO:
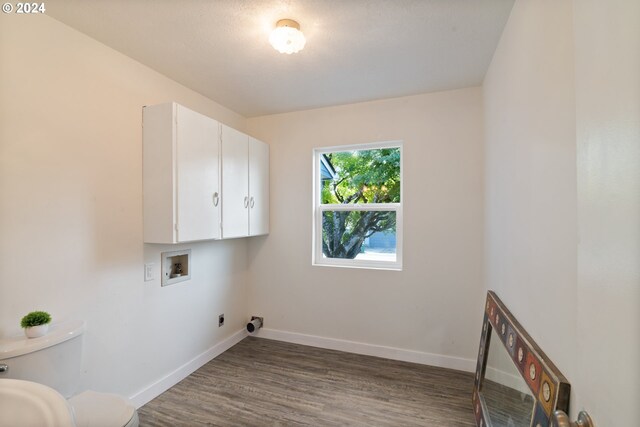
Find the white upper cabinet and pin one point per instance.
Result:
(235, 183)
(181, 175)
(245, 185)
(258, 187)
(202, 180)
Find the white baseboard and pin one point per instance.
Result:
(157, 388)
(451, 362)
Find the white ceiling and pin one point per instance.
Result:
(357, 50)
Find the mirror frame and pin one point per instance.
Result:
(550, 389)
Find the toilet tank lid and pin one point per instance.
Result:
(58, 332)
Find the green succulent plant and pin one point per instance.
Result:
(35, 318)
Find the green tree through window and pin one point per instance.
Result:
(360, 178)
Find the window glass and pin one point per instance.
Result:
(361, 176)
(362, 235)
(357, 206)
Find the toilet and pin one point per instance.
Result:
(55, 361)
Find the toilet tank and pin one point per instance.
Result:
(54, 359)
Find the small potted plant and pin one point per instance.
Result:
(36, 324)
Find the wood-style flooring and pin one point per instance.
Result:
(261, 382)
(507, 406)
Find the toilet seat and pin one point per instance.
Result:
(93, 409)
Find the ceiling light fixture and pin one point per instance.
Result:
(287, 37)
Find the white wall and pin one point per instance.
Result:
(530, 172)
(71, 209)
(434, 305)
(607, 58)
(561, 104)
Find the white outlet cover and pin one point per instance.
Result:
(148, 271)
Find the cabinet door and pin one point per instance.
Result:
(235, 183)
(197, 180)
(258, 187)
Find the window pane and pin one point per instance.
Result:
(361, 235)
(360, 176)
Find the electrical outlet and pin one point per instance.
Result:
(221, 320)
(148, 272)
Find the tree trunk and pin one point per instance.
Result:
(338, 242)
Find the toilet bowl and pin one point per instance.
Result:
(54, 360)
(93, 409)
(29, 404)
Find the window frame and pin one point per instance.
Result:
(318, 208)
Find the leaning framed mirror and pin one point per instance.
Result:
(516, 385)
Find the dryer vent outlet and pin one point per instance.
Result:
(255, 324)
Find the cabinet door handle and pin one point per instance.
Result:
(246, 201)
(252, 202)
(215, 199)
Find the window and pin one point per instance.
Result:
(358, 206)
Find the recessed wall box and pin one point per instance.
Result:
(176, 266)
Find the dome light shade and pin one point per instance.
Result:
(287, 37)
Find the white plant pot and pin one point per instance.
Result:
(36, 331)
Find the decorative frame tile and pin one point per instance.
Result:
(548, 386)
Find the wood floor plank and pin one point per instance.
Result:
(261, 382)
